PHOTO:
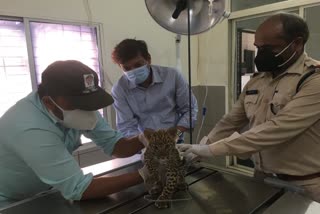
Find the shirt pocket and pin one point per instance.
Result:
(137, 101)
(279, 101)
(169, 119)
(250, 103)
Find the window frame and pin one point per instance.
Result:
(236, 10)
(17, 19)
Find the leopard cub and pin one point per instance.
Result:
(160, 153)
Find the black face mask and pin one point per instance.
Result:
(267, 61)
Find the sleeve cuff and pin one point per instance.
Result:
(185, 123)
(108, 148)
(89, 178)
(81, 187)
(220, 147)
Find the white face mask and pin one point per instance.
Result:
(77, 119)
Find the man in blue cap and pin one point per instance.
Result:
(40, 132)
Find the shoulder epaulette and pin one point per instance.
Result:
(313, 70)
(255, 74)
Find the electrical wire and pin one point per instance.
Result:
(87, 8)
(178, 50)
(88, 11)
(204, 111)
(204, 108)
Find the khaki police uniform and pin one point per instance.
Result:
(284, 125)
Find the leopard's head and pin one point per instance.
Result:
(162, 141)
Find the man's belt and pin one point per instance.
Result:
(295, 177)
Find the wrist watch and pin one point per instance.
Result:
(179, 133)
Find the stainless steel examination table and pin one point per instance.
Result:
(211, 192)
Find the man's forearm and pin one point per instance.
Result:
(184, 123)
(102, 186)
(127, 147)
(182, 128)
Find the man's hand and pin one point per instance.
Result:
(191, 158)
(196, 149)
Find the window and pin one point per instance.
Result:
(49, 42)
(246, 4)
(15, 81)
(245, 51)
(312, 16)
(52, 42)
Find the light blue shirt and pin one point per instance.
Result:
(36, 152)
(164, 104)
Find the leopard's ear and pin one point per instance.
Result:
(148, 132)
(172, 131)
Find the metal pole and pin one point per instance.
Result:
(178, 56)
(189, 72)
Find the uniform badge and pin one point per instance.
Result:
(89, 83)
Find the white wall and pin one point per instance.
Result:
(120, 20)
(213, 56)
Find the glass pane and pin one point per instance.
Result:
(15, 80)
(312, 16)
(246, 51)
(52, 42)
(246, 4)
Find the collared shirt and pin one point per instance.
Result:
(36, 152)
(284, 126)
(164, 104)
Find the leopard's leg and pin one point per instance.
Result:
(153, 182)
(182, 184)
(164, 199)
